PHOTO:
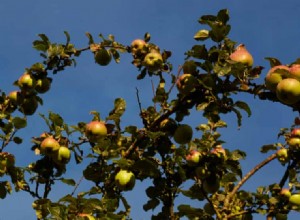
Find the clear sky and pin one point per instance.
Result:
(267, 28)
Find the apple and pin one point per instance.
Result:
(62, 155)
(102, 57)
(288, 91)
(153, 61)
(15, 97)
(282, 155)
(168, 126)
(295, 132)
(125, 180)
(193, 158)
(29, 105)
(285, 193)
(95, 130)
(219, 151)
(137, 46)
(26, 82)
(183, 134)
(49, 145)
(275, 75)
(295, 199)
(43, 85)
(295, 71)
(186, 83)
(242, 55)
(294, 143)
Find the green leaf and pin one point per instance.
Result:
(19, 122)
(244, 106)
(190, 212)
(56, 119)
(68, 37)
(239, 116)
(151, 204)
(17, 140)
(273, 61)
(70, 182)
(90, 37)
(223, 15)
(118, 111)
(268, 147)
(201, 35)
(238, 155)
(146, 168)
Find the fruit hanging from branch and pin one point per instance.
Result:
(242, 55)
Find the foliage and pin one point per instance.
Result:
(149, 152)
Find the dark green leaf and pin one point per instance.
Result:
(19, 122)
(267, 148)
(223, 15)
(18, 140)
(90, 37)
(70, 182)
(273, 61)
(68, 37)
(56, 119)
(151, 204)
(244, 106)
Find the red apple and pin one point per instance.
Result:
(95, 130)
(153, 61)
(137, 46)
(219, 151)
(183, 134)
(285, 193)
(294, 143)
(295, 71)
(49, 145)
(295, 132)
(242, 55)
(125, 180)
(193, 158)
(27, 82)
(288, 91)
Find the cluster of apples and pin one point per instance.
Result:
(50, 147)
(26, 98)
(285, 82)
(147, 55)
(294, 199)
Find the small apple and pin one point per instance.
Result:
(27, 82)
(294, 143)
(193, 158)
(285, 193)
(43, 85)
(102, 57)
(49, 145)
(15, 97)
(183, 134)
(275, 75)
(168, 126)
(295, 199)
(186, 83)
(62, 156)
(125, 180)
(242, 55)
(95, 130)
(288, 91)
(282, 155)
(153, 61)
(29, 105)
(137, 46)
(295, 71)
(295, 132)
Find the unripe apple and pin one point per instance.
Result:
(153, 61)
(29, 105)
(295, 199)
(288, 91)
(15, 97)
(168, 126)
(62, 156)
(193, 158)
(125, 180)
(242, 55)
(102, 57)
(49, 145)
(294, 143)
(43, 85)
(183, 134)
(186, 83)
(95, 130)
(27, 82)
(275, 75)
(285, 193)
(137, 46)
(295, 71)
(282, 155)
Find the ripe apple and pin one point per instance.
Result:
(102, 57)
(183, 134)
(15, 97)
(49, 145)
(275, 75)
(186, 83)
(168, 126)
(153, 61)
(193, 158)
(137, 46)
(43, 85)
(125, 180)
(219, 151)
(242, 55)
(295, 71)
(27, 82)
(294, 143)
(282, 155)
(95, 130)
(29, 105)
(295, 199)
(288, 91)
(295, 132)
(62, 155)
(285, 193)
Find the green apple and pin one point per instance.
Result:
(102, 57)
(26, 81)
(186, 83)
(168, 126)
(125, 180)
(242, 55)
(49, 145)
(294, 143)
(295, 199)
(295, 71)
(285, 193)
(282, 155)
(29, 105)
(137, 46)
(15, 97)
(153, 61)
(288, 91)
(95, 130)
(43, 85)
(183, 134)
(193, 158)
(62, 155)
(275, 75)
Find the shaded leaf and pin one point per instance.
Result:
(151, 204)
(244, 106)
(19, 122)
(70, 182)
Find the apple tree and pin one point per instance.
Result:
(166, 150)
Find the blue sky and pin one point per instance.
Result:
(267, 28)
